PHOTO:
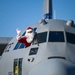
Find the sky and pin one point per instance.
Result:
(23, 13)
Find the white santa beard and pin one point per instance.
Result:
(30, 37)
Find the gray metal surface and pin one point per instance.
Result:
(3, 43)
(47, 8)
(52, 58)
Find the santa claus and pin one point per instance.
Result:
(28, 38)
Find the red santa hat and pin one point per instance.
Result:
(29, 29)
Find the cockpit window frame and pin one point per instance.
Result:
(44, 39)
(33, 51)
(44, 35)
(58, 40)
(38, 39)
(8, 47)
(70, 37)
(19, 45)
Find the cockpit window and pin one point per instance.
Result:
(22, 46)
(8, 47)
(39, 38)
(70, 37)
(56, 36)
(42, 37)
(17, 46)
(33, 51)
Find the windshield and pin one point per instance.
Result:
(70, 37)
(42, 37)
(56, 36)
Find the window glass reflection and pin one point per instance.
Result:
(70, 37)
(42, 37)
(56, 36)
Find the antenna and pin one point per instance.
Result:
(47, 10)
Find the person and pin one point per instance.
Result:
(28, 38)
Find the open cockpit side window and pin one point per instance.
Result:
(19, 45)
(40, 38)
(56, 36)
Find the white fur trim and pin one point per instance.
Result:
(29, 30)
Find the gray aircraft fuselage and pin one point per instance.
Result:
(54, 54)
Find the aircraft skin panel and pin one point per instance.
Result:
(53, 67)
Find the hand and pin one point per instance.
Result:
(18, 31)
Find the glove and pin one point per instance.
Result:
(18, 31)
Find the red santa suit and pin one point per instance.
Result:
(28, 38)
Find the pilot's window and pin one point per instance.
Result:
(33, 51)
(8, 47)
(22, 45)
(56, 36)
(70, 37)
(17, 46)
(42, 37)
